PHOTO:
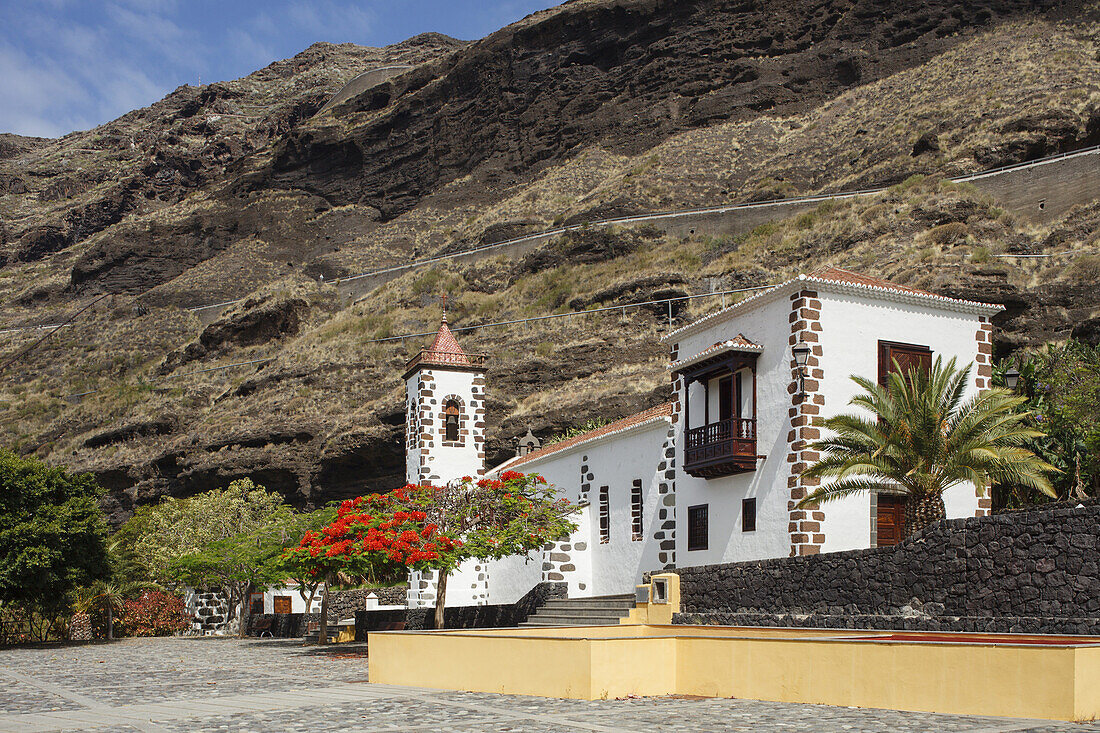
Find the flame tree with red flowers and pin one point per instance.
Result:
(425, 527)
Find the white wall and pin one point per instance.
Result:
(297, 603)
(448, 463)
(768, 326)
(601, 568)
(851, 327)
(412, 429)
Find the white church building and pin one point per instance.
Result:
(714, 475)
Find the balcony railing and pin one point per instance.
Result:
(444, 358)
(721, 448)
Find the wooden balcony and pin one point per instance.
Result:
(722, 448)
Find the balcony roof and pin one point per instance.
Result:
(740, 344)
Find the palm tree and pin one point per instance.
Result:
(921, 437)
(112, 596)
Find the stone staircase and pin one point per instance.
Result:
(593, 611)
(314, 636)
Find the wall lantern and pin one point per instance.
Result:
(1012, 378)
(801, 352)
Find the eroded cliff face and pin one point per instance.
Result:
(621, 74)
(247, 190)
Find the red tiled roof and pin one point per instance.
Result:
(738, 343)
(836, 274)
(618, 426)
(445, 348)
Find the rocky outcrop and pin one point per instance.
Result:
(255, 320)
(623, 74)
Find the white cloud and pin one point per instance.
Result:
(326, 20)
(74, 64)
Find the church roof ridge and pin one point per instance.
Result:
(653, 414)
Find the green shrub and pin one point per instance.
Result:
(950, 233)
(1085, 269)
(980, 255)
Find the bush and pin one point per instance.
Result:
(1085, 269)
(948, 233)
(154, 613)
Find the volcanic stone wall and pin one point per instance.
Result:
(1032, 571)
(470, 617)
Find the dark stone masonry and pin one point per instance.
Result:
(502, 615)
(1034, 571)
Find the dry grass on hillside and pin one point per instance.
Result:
(989, 91)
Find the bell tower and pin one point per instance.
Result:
(444, 411)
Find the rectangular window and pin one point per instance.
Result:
(748, 515)
(637, 528)
(698, 527)
(281, 604)
(908, 357)
(605, 516)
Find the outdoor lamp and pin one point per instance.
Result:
(1012, 378)
(801, 352)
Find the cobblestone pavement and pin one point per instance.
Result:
(225, 685)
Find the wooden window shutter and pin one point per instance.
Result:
(908, 356)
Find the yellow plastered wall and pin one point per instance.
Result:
(657, 613)
(786, 665)
(483, 663)
(1087, 677)
(944, 678)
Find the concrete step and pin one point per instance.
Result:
(594, 599)
(586, 607)
(583, 612)
(551, 620)
(623, 601)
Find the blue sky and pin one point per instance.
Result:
(73, 64)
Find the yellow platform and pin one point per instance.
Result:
(978, 674)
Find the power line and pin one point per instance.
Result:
(33, 346)
(622, 308)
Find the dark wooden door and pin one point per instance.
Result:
(729, 397)
(725, 398)
(890, 521)
(282, 604)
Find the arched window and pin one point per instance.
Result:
(450, 421)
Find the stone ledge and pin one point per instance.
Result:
(885, 622)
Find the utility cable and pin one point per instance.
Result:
(59, 326)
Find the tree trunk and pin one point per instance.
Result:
(922, 511)
(312, 593)
(440, 599)
(110, 622)
(246, 611)
(322, 638)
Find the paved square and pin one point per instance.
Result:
(189, 685)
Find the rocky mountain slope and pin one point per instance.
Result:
(247, 190)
